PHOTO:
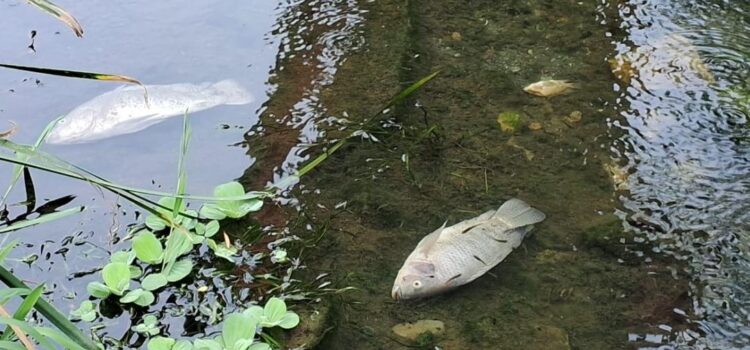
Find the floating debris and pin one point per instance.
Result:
(456, 36)
(549, 88)
(623, 69)
(412, 331)
(619, 176)
(509, 121)
(10, 132)
(535, 126)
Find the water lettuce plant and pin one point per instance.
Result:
(239, 330)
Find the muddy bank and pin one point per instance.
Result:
(575, 282)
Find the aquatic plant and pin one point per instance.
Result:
(239, 330)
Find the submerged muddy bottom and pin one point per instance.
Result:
(579, 280)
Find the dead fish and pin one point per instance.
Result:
(453, 256)
(126, 110)
(549, 88)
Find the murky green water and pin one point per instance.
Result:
(645, 243)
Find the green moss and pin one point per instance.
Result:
(510, 122)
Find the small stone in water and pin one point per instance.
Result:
(456, 36)
(574, 117)
(412, 331)
(534, 126)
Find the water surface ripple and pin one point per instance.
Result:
(683, 69)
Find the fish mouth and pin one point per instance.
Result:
(396, 293)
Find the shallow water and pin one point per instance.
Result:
(645, 244)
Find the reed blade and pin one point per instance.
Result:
(59, 13)
(74, 74)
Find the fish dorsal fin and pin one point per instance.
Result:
(428, 242)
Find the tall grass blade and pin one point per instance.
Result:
(50, 312)
(17, 169)
(53, 164)
(410, 90)
(30, 192)
(42, 219)
(61, 14)
(26, 306)
(74, 74)
(27, 344)
(28, 329)
(181, 174)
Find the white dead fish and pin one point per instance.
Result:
(549, 88)
(453, 256)
(125, 110)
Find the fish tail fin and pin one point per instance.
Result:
(232, 92)
(516, 213)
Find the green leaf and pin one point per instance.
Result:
(289, 321)
(274, 310)
(259, 346)
(123, 256)
(8, 293)
(178, 270)
(183, 345)
(7, 249)
(98, 290)
(42, 219)
(86, 312)
(237, 327)
(116, 276)
(145, 299)
(178, 244)
(154, 281)
(161, 343)
(147, 247)
(60, 337)
(132, 296)
(155, 223)
(221, 250)
(212, 211)
(24, 309)
(212, 227)
(135, 271)
(255, 312)
(207, 344)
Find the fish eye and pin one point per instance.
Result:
(417, 284)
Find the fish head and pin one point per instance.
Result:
(416, 279)
(74, 127)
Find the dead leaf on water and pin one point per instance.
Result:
(59, 13)
(10, 132)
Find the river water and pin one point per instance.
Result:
(646, 243)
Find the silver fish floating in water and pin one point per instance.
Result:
(125, 109)
(456, 255)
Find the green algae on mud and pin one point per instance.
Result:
(565, 285)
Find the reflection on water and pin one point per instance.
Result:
(682, 68)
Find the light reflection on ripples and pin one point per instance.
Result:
(316, 35)
(682, 68)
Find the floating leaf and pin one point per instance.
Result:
(116, 276)
(86, 312)
(259, 346)
(147, 248)
(274, 310)
(178, 270)
(212, 211)
(132, 296)
(206, 344)
(98, 290)
(145, 299)
(212, 227)
(221, 250)
(237, 327)
(61, 14)
(154, 281)
(123, 256)
(161, 343)
(178, 244)
(135, 272)
(183, 345)
(289, 321)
